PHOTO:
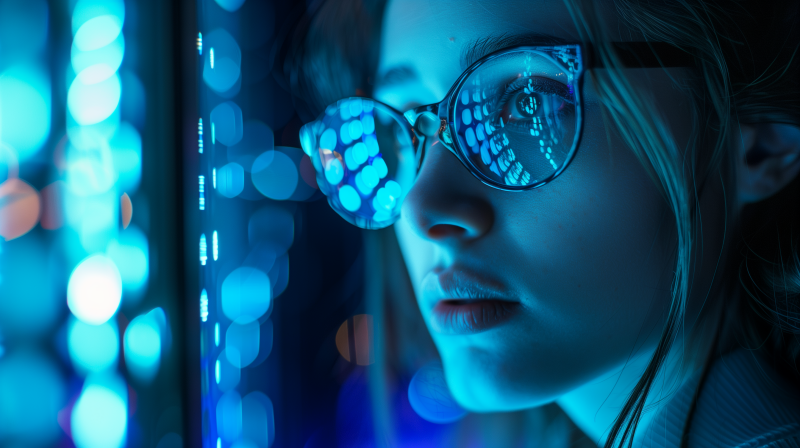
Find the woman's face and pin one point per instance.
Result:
(583, 265)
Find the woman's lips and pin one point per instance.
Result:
(459, 316)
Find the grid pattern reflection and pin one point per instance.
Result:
(248, 187)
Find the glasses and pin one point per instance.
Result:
(513, 119)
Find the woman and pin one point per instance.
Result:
(649, 285)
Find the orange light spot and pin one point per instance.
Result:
(355, 336)
(52, 213)
(19, 208)
(126, 206)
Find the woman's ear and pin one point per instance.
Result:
(768, 159)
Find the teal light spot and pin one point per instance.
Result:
(465, 97)
(360, 152)
(344, 110)
(93, 348)
(334, 171)
(368, 123)
(24, 109)
(380, 167)
(383, 200)
(394, 189)
(97, 32)
(431, 399)
(93, 66)
(86, 10)
(229, 416)
(370, 176)
(242, 338)
(126, 153)
(131, 254)
(229, 375)
(372, 145)
(328, 140)
(355, 107)
(466, 116)
(222, 75)
(99, 418)
(367, 105)
(275, 175)
(258, 420)
(307, 140)
(230, 180)
(227, 124)
(142, 344)
(349, 198)
(351, 163)
(362, 187)
(344, 134)
(216, 334)
(92, 103)
(355, 129)
(246, 294)
(469, 135)
(230, 5)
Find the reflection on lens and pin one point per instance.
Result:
(517, 115)
(364, 158)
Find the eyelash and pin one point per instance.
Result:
(540, 85)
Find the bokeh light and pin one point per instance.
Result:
(94, 290)
(24, 109)
(99, 417)
(230, 180)
(230, 5)
(258, 419)
(223, 62)
(229, 416)
(85, 10)
(31, 394)
(131, 255)
(275, 175)
(226, 123)
(93, 348)
(354, 340)
(246, 294)
(142, 347)
(126, 153)
(20, 207)
(226, 374)
(430, 397)
(242, 342)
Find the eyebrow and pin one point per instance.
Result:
(470, 53)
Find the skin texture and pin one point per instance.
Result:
(590, 256)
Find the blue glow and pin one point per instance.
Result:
(142, 344)
(394, 189)
(349, 198)
(368, 123)
(229, 416)
(349, 161)
(229, 375)
(469, 135)
(275, 175)
(131, 254)
(355, 107)
(380, 167)
(215, 245)
(430, 398)
(214, 178)
(222, 67)
(344, 110)
(93, 348)
(93, 103)
(383, 200)
(200, 135)
(32, 393)
(362, 187)
(360, 154)
(466, 116)
(216, 334)
(231, 180)
(328, 140)
(99, 418)
(216, 371)
(227, 124)
(370, 176)
(230, 5)
(372, 145)
(203, 250)
(344, 133)
(126, 152)
(202, 188)
(200, 44)
(258, 419)
(97, 32)
(94, 290)
(242, 342)
(87, 9)
(246, 294)
(219, 442)
(93, 66)
(334, 171)
(24, 109)
(203, 306)
(356, 130)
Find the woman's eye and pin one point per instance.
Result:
(530, 100)
(528, 104)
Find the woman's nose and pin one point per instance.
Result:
(448, 204)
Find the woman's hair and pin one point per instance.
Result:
(746, 72)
